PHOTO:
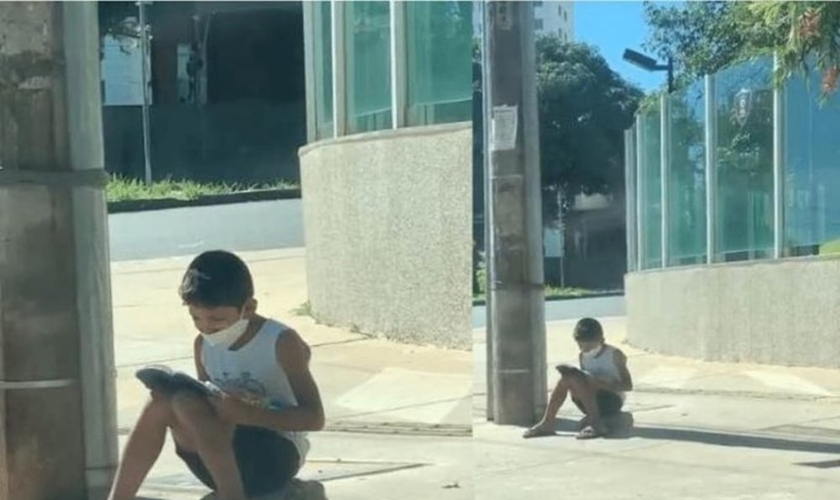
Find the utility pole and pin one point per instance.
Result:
(58, 431)
(515, 215)
(144, 54)
(480, 129)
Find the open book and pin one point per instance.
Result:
(168, 381)
(570, 370)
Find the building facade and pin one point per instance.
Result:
(550, 18)
(733, 232)
(386, 174)
(226, 87)
(555, 18)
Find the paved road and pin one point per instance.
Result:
(557, 310)
(184, 231)
(265, 225)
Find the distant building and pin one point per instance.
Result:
(555, 18)
(549, 18)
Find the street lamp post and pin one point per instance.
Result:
(144, 50)
(650, 64)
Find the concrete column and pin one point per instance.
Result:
(489, 252)
(90, 220)
(54, 278)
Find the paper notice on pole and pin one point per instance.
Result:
(553, 242)
(504, 127)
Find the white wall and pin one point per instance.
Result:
(556, 17)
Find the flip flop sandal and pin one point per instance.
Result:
(535, 432)
(590, 432)
(583, 423)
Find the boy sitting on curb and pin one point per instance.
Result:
(241, 428)
(597, 388)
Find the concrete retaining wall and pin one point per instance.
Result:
(387, 224)
(780, 312)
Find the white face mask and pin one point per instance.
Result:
(591, 353)
(227, 336)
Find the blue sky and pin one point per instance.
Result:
(613, 27)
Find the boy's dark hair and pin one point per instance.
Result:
(588, 329)
(217, 279)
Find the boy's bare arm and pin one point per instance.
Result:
(293, 355)
(626, 379)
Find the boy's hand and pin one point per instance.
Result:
(230, 408)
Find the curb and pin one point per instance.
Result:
(399, 429)
(594, 295)
(420, 429)
(127, 206)
(740, 394)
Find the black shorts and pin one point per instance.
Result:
(266, 460)
(609, 403)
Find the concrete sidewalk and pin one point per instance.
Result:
(398, 415)
(711, 431)
(653, 373)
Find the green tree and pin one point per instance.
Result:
(704, 37)
(584, 109)
(812, 37)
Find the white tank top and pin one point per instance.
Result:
(601, 364)
(253, 374)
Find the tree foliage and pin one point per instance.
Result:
(704, 37)
(584, 109)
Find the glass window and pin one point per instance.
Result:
(439, 62)
(687, 177)
(651, 187)
(744, 163)
(323, 70)
(538, 24)
(631, 198)
(812, 169)
(368, 62)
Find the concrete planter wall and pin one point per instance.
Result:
(388, 225)
(779, 312)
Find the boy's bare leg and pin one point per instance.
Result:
(142, 449)
(212, 439)
(584, 392)
(555, 402)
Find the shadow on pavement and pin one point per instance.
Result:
(826, 464)
(728, 439)
(297, 490)
(736, 440)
